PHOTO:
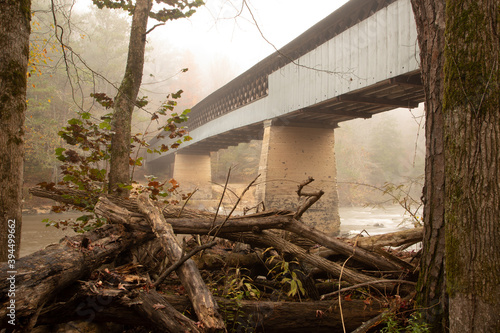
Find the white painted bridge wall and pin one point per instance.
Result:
(376, 49)
(380, 47)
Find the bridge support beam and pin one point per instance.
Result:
(193, 171)
(291, 154)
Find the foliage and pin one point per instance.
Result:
(401, 194)
(42, 47)
(176, 8)
(86, 155)
(239, 286)
(414, 324)
(287, 276)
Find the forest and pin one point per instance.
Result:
(80, 101)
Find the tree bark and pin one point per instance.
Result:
(125, 100)
(15, 16)
(472, 150)
(431, 289)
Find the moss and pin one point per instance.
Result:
(25, 8)
(16, 75)
(453, 271)
(469, 57)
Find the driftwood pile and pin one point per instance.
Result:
(134, 271)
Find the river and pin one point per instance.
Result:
(35, 235)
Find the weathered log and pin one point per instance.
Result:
(338, 245)
(194, 225)
(394, 239)
(161, 314)
(359, 254)
(244, 315)
(68, 196)
(268, 239)
(203, 302)
(39, 276)
(268, 220)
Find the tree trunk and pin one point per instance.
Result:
(472, 150)
(431, 295)
(125, 101)
(15, 18)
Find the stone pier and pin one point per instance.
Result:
(193, 171)
(290, 154)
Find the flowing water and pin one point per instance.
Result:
(372, 221)
(35, 235)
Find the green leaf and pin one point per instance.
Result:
(105, 125)
(60, 150)
(74, 121)
(177, 94)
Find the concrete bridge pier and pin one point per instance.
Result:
(193, 171)
(290, 154)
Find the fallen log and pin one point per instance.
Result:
(195, 225)
(359, 254)
(241, 316)
(255, 222)
(161, 314)
(393, 239)
(61, 271)
(268, 239)
(113, 210)
(82, 199)
(38, 277)
(203, 302)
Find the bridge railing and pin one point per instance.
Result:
(229, 98)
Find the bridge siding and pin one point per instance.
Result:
(367, 53)
(382, 46)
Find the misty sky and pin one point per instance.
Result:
(215, 30)
(219, 29)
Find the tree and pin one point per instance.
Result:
(459, 44)
(430, 21)
(126, 99)
(15, 18)
(471, 114)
